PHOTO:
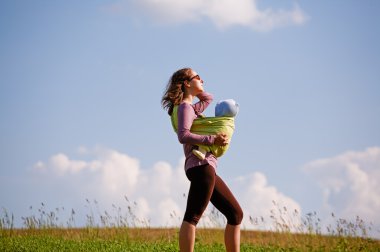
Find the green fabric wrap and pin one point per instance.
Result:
(209, 126)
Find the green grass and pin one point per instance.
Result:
(140, 239)
(123, 231)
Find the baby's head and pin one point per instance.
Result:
(227, 107)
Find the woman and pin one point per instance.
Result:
(184, 85)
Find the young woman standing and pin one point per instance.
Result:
(206, 186)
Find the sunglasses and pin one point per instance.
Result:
(195, 77)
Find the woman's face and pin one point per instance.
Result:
(195, 84)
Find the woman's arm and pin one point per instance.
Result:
(186, 116)
(204, 100)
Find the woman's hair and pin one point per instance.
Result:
(174, 91)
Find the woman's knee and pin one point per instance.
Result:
(192, 218)
(239, 216)
(236, 217)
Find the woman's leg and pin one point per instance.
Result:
(232, 238)
(223, 199)
(201, 188)
(186, 237)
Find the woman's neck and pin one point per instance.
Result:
(188, 99)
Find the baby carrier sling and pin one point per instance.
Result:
(209, 126)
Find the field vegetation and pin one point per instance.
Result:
(123, 231)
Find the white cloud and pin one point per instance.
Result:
(110, 175)
(119, 171)
(349, 183)
(168, 210)
(62, 164)
(261, 200)
(223, 13)
(169, 11)
(159, 192)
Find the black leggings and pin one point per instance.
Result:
(206, 186)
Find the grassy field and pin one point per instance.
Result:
(149, 239)
(43, 230)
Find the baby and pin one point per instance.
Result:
(224, 108)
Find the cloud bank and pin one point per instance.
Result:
(159, 192)
(222, 13)
(349, 183)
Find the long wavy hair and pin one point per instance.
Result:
(175, 89)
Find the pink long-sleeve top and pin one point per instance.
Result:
(186, 115)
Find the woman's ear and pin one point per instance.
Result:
(186, 83)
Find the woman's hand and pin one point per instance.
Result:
(221, 139)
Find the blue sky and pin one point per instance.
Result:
(81, 83)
